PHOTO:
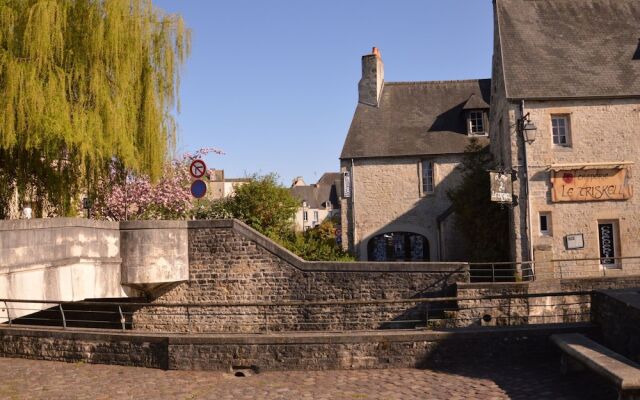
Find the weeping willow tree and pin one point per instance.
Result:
(84, 85)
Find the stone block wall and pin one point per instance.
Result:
(525, 308)
(617, 313)
(530, 305)
(298, 351)
(234, 266)
(95, 348)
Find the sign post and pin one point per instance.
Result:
(197, 169)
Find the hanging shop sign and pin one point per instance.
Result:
(501, 187)
(346, 184)
(590, 184)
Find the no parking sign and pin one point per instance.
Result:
(197, 169)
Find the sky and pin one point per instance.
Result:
(274, 83)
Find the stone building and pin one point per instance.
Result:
(318, 202)
(219, 186)
(399, 160)
(571, 69)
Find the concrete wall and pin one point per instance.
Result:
(231, 263)
(284, 352)
(387, 197)
(59, 259)
(73, 259)
(154, 253)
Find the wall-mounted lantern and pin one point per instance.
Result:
(527, 128)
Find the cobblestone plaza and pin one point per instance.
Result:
(28, 379)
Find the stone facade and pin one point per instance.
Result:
(231, 269)
(399, 160)
(601, 130)
(387, 197)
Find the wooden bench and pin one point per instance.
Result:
(580, 352)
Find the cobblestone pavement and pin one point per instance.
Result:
(28, 379)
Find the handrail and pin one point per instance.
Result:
(310, 303)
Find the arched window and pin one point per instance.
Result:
(398, 246)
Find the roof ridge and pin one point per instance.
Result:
(437, 82)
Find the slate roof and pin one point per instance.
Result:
(475, 102)
(414, 118)
(318, 194)
(569, 48)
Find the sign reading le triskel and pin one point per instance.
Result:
(592, 184)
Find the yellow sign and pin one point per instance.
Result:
(590, 184)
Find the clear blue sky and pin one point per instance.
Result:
(274, 83)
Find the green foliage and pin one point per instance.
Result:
(84, 83)
(317, 243)
(482, 223)
(265, 205)
(212, 209)
(269, 208)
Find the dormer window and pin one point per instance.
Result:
(476, 123)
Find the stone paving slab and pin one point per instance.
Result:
(29, 379)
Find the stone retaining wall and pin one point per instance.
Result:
(617, 312)
(301, 351)
(230, 263)
(531, 307)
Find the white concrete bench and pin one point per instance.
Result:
(580, 352)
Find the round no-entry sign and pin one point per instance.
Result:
(198, 188)
(197, 168)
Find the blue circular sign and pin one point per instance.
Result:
(198, 188)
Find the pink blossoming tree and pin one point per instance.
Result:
(136, 197)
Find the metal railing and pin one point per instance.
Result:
(283, 316)
(506, 271)
(557, 269)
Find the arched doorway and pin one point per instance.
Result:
(398, 246)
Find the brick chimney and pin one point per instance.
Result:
(370, 85)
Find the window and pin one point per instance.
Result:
(315, 215)
(398, 246)
(608, 243)
(545, 224)
(305, 215)
(476, 122)
(560, 129)
(427, 177)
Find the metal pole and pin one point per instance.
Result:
(493, 272)
(122, 320)
(64, 320)
(6, 307)
(188, 320)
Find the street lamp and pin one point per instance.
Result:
(527, 128)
